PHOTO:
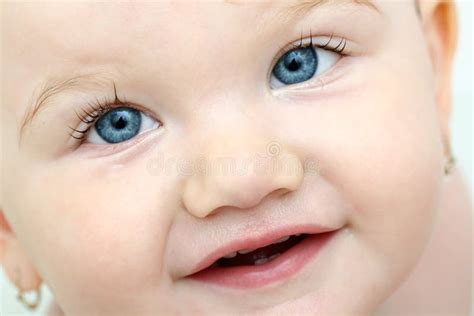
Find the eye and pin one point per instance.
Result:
(301, 64)
(119, 125)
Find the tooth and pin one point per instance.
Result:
(231, 255)
(244, 251)
(273, 256)
(282, 239)
(260, 261)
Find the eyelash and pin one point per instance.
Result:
(339, 48)
(94, 110)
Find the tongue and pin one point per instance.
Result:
(260, 255)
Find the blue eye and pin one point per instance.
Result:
(302, 64)
(119, 125)
(296, 66)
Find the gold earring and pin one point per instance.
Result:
(30, 305)
(21, 294)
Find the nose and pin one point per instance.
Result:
(240, 173)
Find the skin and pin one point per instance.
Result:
(113, 234)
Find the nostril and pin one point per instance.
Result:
(281, 192)
(245, 199)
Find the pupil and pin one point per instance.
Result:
(296, 66)
(293, 65)
(120, 123)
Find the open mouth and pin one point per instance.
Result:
(254, 267)
(251, 257)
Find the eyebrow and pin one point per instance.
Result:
(302, 7)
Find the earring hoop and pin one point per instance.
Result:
(30, 305)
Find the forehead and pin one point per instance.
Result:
(73, 30)
(66, 24)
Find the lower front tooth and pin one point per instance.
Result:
(230, 255)
(245, 251)
(260, 261)
(273, 256)
(282, 239)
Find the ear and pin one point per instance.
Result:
(14, 259)
(439, 20)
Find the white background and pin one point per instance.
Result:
(461, 128)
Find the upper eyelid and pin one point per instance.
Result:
(308, 41)
(102, 107)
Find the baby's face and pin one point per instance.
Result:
(171, 135)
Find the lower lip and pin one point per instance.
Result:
(281, 268)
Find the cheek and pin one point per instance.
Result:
(110, 236)
(389, 168)
(393, 179)
(392, 172)
(382, 151)
(380, 148)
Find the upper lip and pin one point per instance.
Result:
(257, 241)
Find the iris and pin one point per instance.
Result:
(119, 125)
(297, 65)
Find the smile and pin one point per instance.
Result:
(256, 266)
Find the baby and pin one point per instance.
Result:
(233, 157)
